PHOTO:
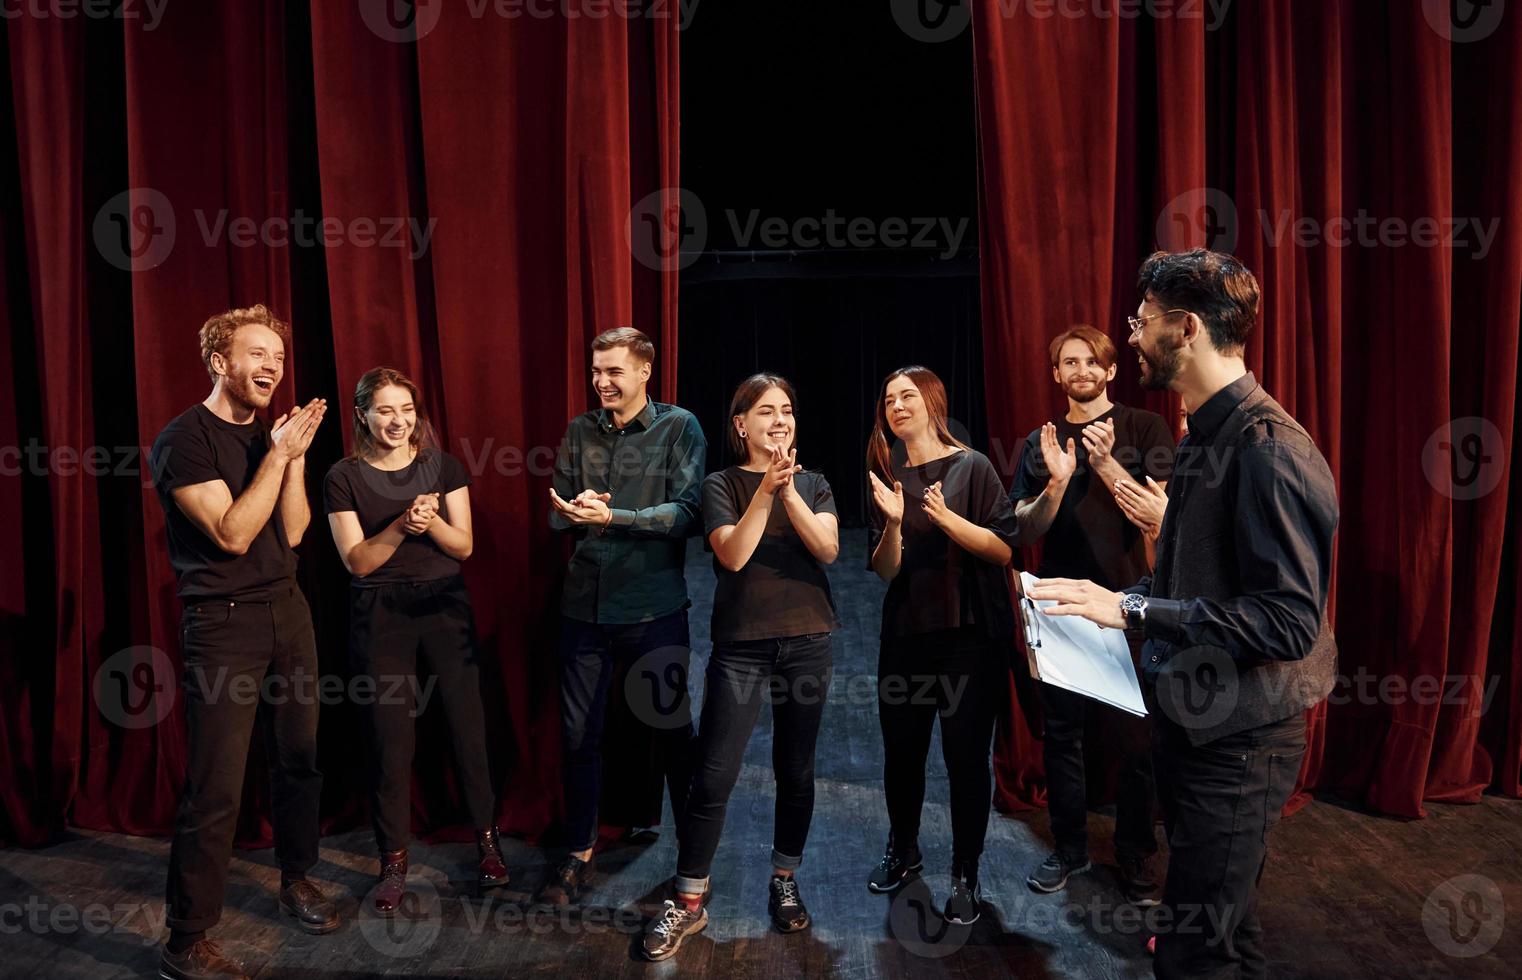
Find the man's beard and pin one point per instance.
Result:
(1083, 395)
(1161, 370)
(240, 387)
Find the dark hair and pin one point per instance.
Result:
(639, 345)
(746, 396)
(1212, 285)
(372, 381)
(1102, 346)
(879, 458)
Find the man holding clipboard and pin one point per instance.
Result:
(1065, 495)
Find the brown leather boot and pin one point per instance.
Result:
(491, 870)
(393, 883)
(203, 961)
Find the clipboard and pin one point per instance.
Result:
(1074, 654)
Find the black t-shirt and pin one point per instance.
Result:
(782, 590)
(198, 447)
(939, 586)
(1091, 537)
(377, 496)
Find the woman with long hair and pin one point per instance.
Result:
(399, 510)
(772, 527)
(941, 536)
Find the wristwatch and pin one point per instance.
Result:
(1134, 608)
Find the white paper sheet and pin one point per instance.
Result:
(1072, 653)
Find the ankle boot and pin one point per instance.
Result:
(491, 870)
(393, 882)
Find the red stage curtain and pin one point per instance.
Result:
(1102, 138)
(520, 144)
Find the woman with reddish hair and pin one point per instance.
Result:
(941, 537)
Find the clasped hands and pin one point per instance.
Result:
(424, 510)
(586, 508)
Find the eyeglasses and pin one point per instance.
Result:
(1138, 322)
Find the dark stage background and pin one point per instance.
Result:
(541, 146)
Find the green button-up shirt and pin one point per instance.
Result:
(631, 571)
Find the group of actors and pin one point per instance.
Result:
(1221, 542)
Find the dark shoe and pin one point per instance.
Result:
(569, 881)
(203, 961)
(664, 935)
(642, 836)
(393, 883)
(964, 904)
(896, 866)
(1138, 880)
(491, 870)
(786, 906)
(311, 908)
(1054, 872)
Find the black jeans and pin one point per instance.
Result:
(793, 675)
(649, 662)
(1220, 801)
(960, 675)
(243, 660)
(1065, 714)
(392, 627)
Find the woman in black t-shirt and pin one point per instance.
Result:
(399, 509)
(772, 528)
(941, 535)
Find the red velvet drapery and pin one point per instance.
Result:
(1392, 338)
(474, 176)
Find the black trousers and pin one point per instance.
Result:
(1065, 714)
(243, 660)
(959, 676)
(648, 662)
(392, 630)
(793, 675)
(1220, 801)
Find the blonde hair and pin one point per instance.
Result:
(217, 332)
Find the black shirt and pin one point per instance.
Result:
(1091, 537)
(198, 447)
(939, 586)
(1271, 507)
(633, 570)
(377, 496)
(782, 590)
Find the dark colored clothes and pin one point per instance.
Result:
(391, 628)
(939, 586)
(959, 676)
(198, 447)
(782, 591)
(377, 496)
(1065, 714)
(632, 571)
(643, 666)
(1244, 559)
(229, 645)
(1091, 537)
(1220, 802)
(793, 675)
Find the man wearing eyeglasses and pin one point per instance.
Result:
(1065, 495)
(1237, 641)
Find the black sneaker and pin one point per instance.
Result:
(895, 867)
(569, 880)
(964, 904)
(1054, 872)
(786, 906)
(664, 935)
(1138, 880)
